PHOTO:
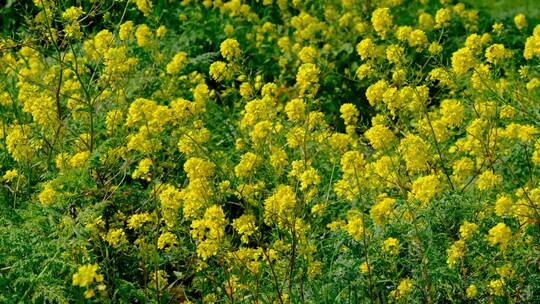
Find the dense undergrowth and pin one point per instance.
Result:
(268, 152)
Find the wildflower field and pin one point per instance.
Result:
(269, 151)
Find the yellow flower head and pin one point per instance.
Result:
(391, 246)
(230, 49)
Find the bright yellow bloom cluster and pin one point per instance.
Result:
(403, 289)
(246, 226)
(500, 235)
(307, 79)
(210, 231)
(138, 220)
(86, 275)
(230, 49)
(144, 6)
(497, 52)
(143, 34)
(116, 237)
(383, 211)
(219, 71)
(247, 165)
(166, 240)
(177, 63)
(48, 195)
(456, 252)
(487, 180)
(382, 22)
(72, 13)
(425, 188)
(391, 246)
(472, 291)
(280, 207)
(532, 45)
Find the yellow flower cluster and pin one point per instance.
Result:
(177, 63)
(230, 49)
(85, 276)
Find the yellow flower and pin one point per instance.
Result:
(500, 235)
(452, 112)
(166, 239)
(504, 205)
(472, 291)
(79, 160)
(467, 230)
(116, 237)
(349, 113)
(161, 31)
(455, 252)
(381, 19)
(498, 27)
(177, 63)
(307, 79)
(89, 293)
(425, 188)
(391, 246)
(280, 207)
(355, 225)
(144, 6)
(394, 53)
(230, 49)
(426, 21)
(246, 90)
(138, 220)
(443, 17)
(261, 131)
(72, 13)
(143, 35)
(245, 225)
(308, 54)
(126, 30)
(375, 92)
(48, 195)
(143, 170)
(417, 39)
(497, 52)
(415, 152)
(364, 267)
(278, 159)
(219, 71)
(380, 137)
(532, 45)
(403, 289)
(463, 60)
(10, 175)
(496, 287)
(487, 180)
(366, 49)
(248, 163)
(382, 211)
(210, 230)
(520, 21)
(295, 110)
(198, 168)
(86, 275)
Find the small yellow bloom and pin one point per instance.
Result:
(472, 291)
(391, 246)
(230, 49)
